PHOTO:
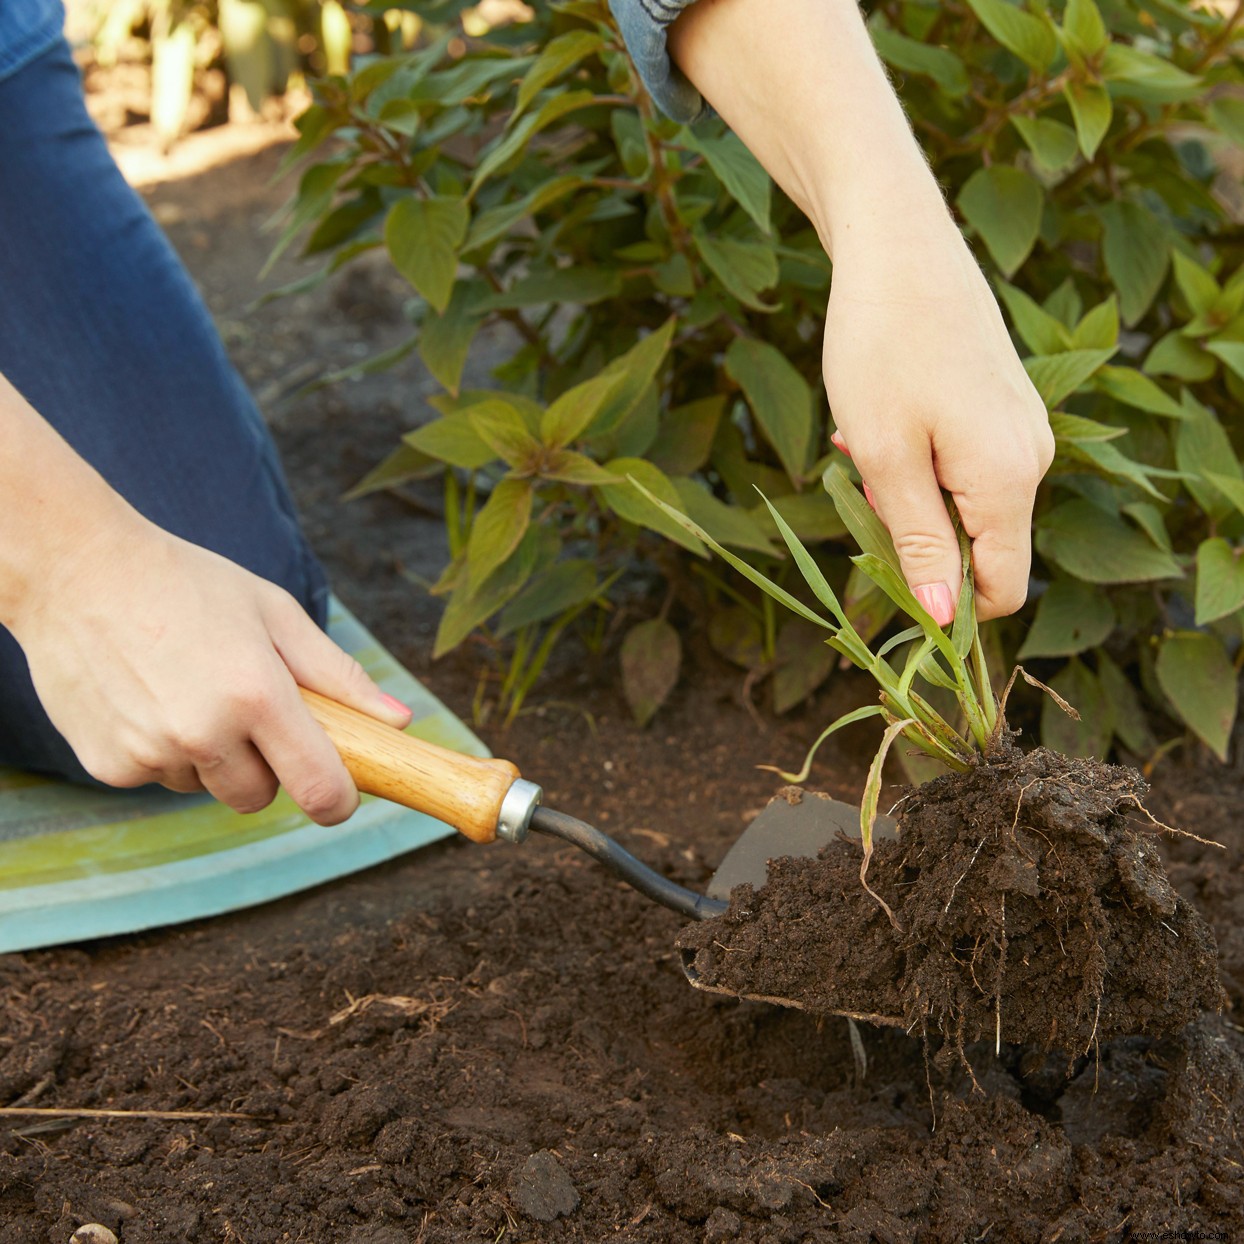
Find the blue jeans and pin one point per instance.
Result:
(103, 332)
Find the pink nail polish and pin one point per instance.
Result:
(396, 705)
(936, 599)
(868, 495)
(837, 441)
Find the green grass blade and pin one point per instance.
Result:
(914, 661)
(764, 583)
(847, 719)
(867, 529)
(903, 637)
(808, 568)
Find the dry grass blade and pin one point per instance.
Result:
(48, 1112)
(411, 1007)
(868, 809)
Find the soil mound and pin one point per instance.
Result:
(1030, 908)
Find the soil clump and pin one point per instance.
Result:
(1029, 907)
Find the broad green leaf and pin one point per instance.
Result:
(567, 418)
(633, 437)
(1054, 145)
(1091, 110)
(1227, 113)
(745, 269)
(1057, 376)
(1099, 329)
(405, 463)
(1141, 75)
(568, 467)
(912, 56)
(498, 527)
(581, 286)
(865, 527)
(560, 54)
(565, 585)
(1108, 460)
(1097, 547)
(1219, 580)
(1132, 388)
(469, 77)
(727, 524)
(1090, 736)
(504, 429)
(651, 657)
(1178, 356)
(685, 438)
(1231, 487)
(1065, 303)
(812, 516)
(497, 222)
(445, 339)
(515, 140)
(1003, 204)
(315, 194)
(738, 171)
(1031, 38)
(802, 662)
(1202, 446)
(736, 634)
(1150, 520)
(780, 399)
(1195, 283)
(1076, 428)
(1136, 248)
(647, 497)
(1126, 711)
(1040, 331)
(1071, 617)
(423, 237)
(1231, 353)
(1197, 677)
(638, 367)
(1084, 32)
(453, 439)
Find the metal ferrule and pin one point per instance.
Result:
(514, 819)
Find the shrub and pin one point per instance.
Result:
(667, 309)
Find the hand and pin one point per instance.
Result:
(161, 662)
(928, 394)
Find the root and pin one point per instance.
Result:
(1170, 829)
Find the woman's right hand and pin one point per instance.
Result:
(162, 662)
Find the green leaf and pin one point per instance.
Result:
(1136, 249)
(649, 499)
(452, 439)
(1003, 204)
(1178, 356)
(865, 527)
(565, 585)
(504, 429)
(1099, 329)
(735, 633)
(802, 662)
(638, 367)
(567, 418)
(745, 269)
(515, 140)
(651, 657)
(405, 463)
(1071, 617)
(1202, 446)
(1135, 74)
(912, 56)
(1057, 376)
(1076, 428)
(568, 467)
(1195, 283)
(780, 399)
(1197, 677)
(1231, 487)
(581, 286)
(685, 438)
(812, 516)
(1231, 353)
(1219, 580)
(1227, 113)
(1127, 385)
(738, 171)
(1040, 331)
(727, 524)
(1054, 145)
(445, 339)
(498, 527)
(559, 54)
(1090, 736)
(1031, 38)
(1125, 709)
(1098, 547)
(423, 236)
(1091, 110)
(1084, 33)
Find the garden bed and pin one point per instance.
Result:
(499, 1043)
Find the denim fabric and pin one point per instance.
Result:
(643, 23)
(103, 332)
(27, 28)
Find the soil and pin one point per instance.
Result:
(485, 1044)
(1016, 901)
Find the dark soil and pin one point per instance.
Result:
(1020, 903)
(498, 1044)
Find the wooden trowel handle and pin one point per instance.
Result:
(466, 792)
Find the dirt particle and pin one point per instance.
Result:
(542, 1190)
(722, 1224)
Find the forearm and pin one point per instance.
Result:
(56, 507)
(798, 81)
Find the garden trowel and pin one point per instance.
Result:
(487, 799)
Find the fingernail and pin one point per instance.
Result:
(868, 495)
(937, 602)
(839, 443)
(396, 705)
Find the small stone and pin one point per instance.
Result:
(542, 1190)
(92, 1233)
(722, 1224)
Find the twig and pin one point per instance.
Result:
(82, 1113)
